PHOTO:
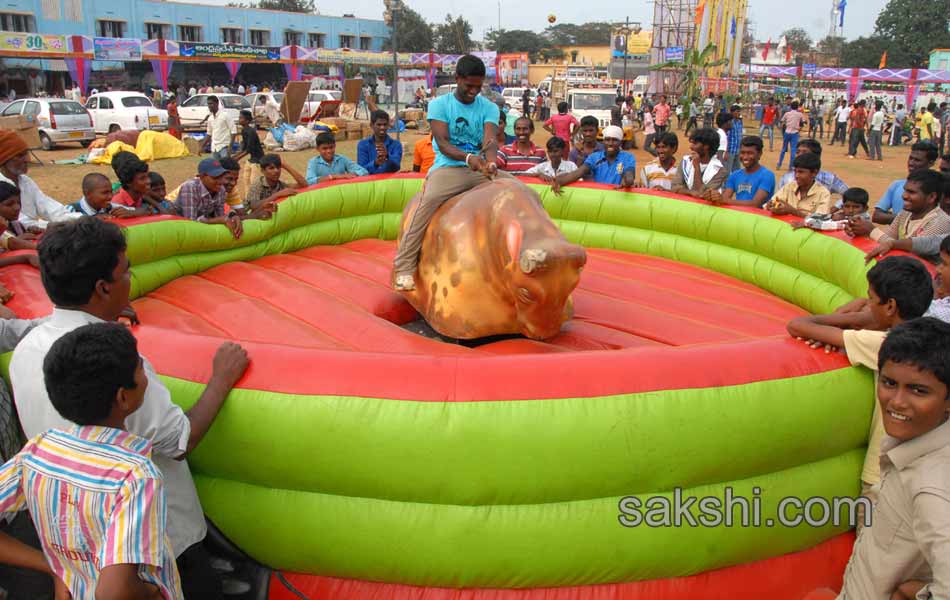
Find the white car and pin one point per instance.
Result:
(112, 111)
(513, 95)
(194, 111)
(275, 97)
(314, 98)
(58, 120)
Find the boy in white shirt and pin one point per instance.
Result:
(555, 164)
(658, 174)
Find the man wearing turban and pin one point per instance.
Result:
(36, 208)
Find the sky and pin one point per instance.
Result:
(518, 14)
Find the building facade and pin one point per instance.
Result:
(145, 19)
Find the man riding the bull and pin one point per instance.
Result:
(464, 126)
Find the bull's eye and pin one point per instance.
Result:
(524, 295)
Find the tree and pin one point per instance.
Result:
(799, 41)
(517, 40)
(297, 6)
(913, 29)
(595, 33)
(830, 49)
(548, 54)
(867, 51)
(413, 34)
(691, 68)
(453, 36)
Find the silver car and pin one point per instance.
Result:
(58, 120)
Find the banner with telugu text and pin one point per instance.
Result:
(198, 50)
(121, 49)
(33, 43)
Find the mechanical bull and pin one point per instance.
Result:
(493, 262)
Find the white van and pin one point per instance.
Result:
(595, 102)
(513, 95)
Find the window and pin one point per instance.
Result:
(346, 41)
(32, 109)
(189, 33)
(232, 36)
(15, 22)
(195, 101)
(292, 38)
(92, 103)
(114, 29)
(260, 37)
(105, 103)
(365, 43)
(136, 102)
(316, 40)
(13, 109)
(157, 31)
(66, 108)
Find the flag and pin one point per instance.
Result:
(788, 54)
(732, 29)
(883, 61)
(841, 7)
(700, 9)
(768, 46)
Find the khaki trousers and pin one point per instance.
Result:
(441, 184)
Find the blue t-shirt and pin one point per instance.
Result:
(466, 125)
(745, 185)
(610, 172)
(893, 199)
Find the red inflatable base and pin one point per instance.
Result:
(788, 577)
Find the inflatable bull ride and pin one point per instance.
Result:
(359, 459)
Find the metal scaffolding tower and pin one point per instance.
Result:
(673, 27)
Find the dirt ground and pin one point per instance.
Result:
(63, 181)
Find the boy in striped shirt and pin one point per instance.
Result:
(93, 491)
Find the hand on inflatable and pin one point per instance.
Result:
(816, 345)
(556, 187)
(6, 313)
(230, 362)
(855, 306)
(780, 208)
(33, 260)
(236, 226)
(5, 295)
(130, 315)
(712, 196)
(859, 227)
(881, 249)
(34, 231)
(121, 212)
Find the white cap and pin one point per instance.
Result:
(613, 132)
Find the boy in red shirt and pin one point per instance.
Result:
(562, 125)
(859, 121)
(768, 122)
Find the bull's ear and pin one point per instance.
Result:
(513, 241)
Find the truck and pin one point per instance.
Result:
(595, 102)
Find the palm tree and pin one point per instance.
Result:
(691, 68)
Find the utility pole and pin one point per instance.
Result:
(499, 16)
(626, 46)
(390, 17)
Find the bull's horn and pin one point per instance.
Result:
(531, 258)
